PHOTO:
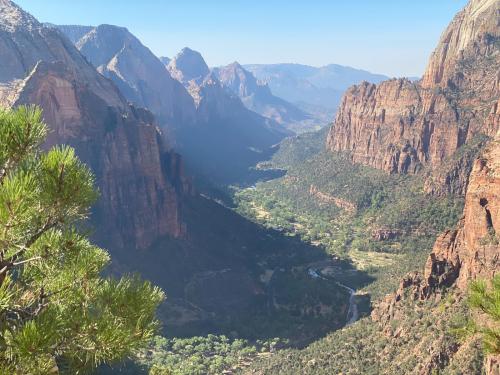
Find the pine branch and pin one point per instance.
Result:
(26, 261)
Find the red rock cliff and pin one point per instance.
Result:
(469, 252)
(400, 126)
(140, 180)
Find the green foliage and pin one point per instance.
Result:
(486, 299)
(368, 347)
(396, 204)
(57, 315)
(202, 355)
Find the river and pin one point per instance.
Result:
(352, 312)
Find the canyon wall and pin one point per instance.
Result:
(140, 180)
(401, 126)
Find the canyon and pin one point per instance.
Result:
(204, 122)
(179, 151)
(150, 215)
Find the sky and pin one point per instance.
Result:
(392, 37)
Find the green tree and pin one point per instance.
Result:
(486, 299)
(57, 314)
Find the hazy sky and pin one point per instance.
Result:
(394, 37)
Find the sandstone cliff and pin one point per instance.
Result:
(471, 251)
(463, 77)
(140, 180)
(136, 71)
(400, 126)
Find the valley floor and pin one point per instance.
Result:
(370, 228)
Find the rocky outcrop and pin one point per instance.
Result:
(401, 126)
(139, 178)
(384, 234)
(472, 250)
(165, 60)
(472, 30)
(136, 71)
(258, 97)
(188, 65)
(327, 198)
(452, 177)
(469, 252)
(492, 365)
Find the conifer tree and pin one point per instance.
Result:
(486, 299)
(58, 315)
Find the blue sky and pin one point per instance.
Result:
(394, 37)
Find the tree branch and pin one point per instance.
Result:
(10, 263)
(26, 261)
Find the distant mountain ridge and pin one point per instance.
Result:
(243, 137)
(218, 136)
(140, 76)
(315, 89)
(257, 96)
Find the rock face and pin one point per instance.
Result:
(471, 251)
(188, 65)
(473, 29)
(140, 75)
(140, 180)
(452, 176)
(327, 198)
(258, 97)
(401, 126)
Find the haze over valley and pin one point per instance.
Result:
(160, 215)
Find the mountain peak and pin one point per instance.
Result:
(236, 73)
(73, 32)
(111, 28)
(165, 60)
(473, 30)
(110, 33)
(235, 65)
(12, 17)
(188, 65)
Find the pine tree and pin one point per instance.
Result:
(486, 299)
(57, 314)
